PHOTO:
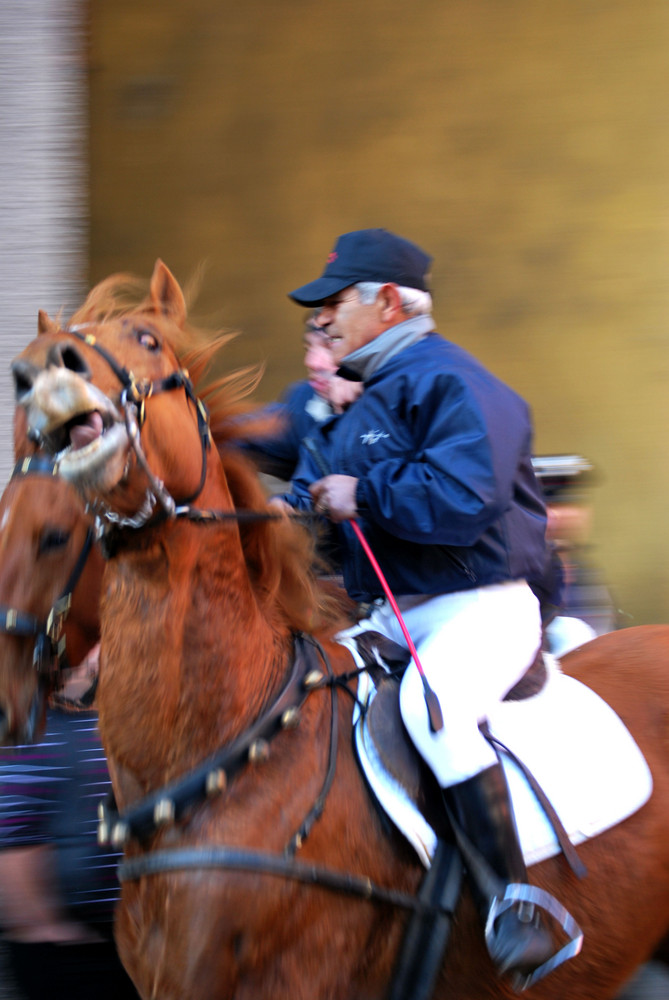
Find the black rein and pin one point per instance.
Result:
(165, 805)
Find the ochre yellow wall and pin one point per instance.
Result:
(524, 144)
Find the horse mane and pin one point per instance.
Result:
(280, 554)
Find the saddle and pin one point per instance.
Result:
(427, 934)
(386, 662)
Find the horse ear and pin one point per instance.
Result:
(166, 294)
(45, 324)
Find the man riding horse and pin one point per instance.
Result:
(434, 461)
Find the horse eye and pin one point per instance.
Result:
(147, 340)
(52, 539)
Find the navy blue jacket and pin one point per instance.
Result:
(446, 494)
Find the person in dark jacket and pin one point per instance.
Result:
(434, 462)
(59, 888)
(302, 406)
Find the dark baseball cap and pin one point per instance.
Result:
(367, 255)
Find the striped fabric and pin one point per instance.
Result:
(49, 793)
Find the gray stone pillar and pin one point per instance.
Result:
(43, 155)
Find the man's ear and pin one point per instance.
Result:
(390, 303)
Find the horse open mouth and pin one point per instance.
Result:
(81, 433)
(92, 449)
(85, 429)
(80, 426)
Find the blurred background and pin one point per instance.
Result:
(525, 145)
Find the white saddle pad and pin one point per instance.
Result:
(574, 744)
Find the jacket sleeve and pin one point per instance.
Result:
(277, 452)
(306, 472)
(457, 475)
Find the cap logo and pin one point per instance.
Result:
(332, 257)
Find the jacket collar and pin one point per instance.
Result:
(360, 365)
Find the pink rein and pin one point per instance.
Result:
(433, 707)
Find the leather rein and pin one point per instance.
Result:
(49, 651)
(168, 804)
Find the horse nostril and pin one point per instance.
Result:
(67, 356)
(24, 378)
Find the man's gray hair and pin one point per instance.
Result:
(414, 301)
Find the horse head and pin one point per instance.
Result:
(50, 576)
(85, 390)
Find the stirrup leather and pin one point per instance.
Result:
(529, 896)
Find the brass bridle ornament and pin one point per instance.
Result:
(310, 671)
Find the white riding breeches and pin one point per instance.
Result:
(474, 646)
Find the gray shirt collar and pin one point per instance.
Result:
(368, 359)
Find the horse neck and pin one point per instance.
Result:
(189, 657)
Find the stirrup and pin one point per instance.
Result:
(529, 896)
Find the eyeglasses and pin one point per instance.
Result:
(336, 300)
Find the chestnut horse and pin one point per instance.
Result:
(203, 598)
(50, 578)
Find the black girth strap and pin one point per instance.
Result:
(259, 862)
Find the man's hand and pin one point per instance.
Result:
(279, 506)
(334, 497)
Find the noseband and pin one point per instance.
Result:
(49, 653)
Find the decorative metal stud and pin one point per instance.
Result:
(258, 751)
(120, 834)
(290, 718)
(103, 833)
(312, 679)
(216, 781)
(102, 811)
(163, 812)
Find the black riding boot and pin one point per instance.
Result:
(517, 940)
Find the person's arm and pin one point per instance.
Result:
(276, 451)
(30, 907)
(299, 498)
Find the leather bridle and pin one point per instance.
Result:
(166, 805)
(134, 394)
